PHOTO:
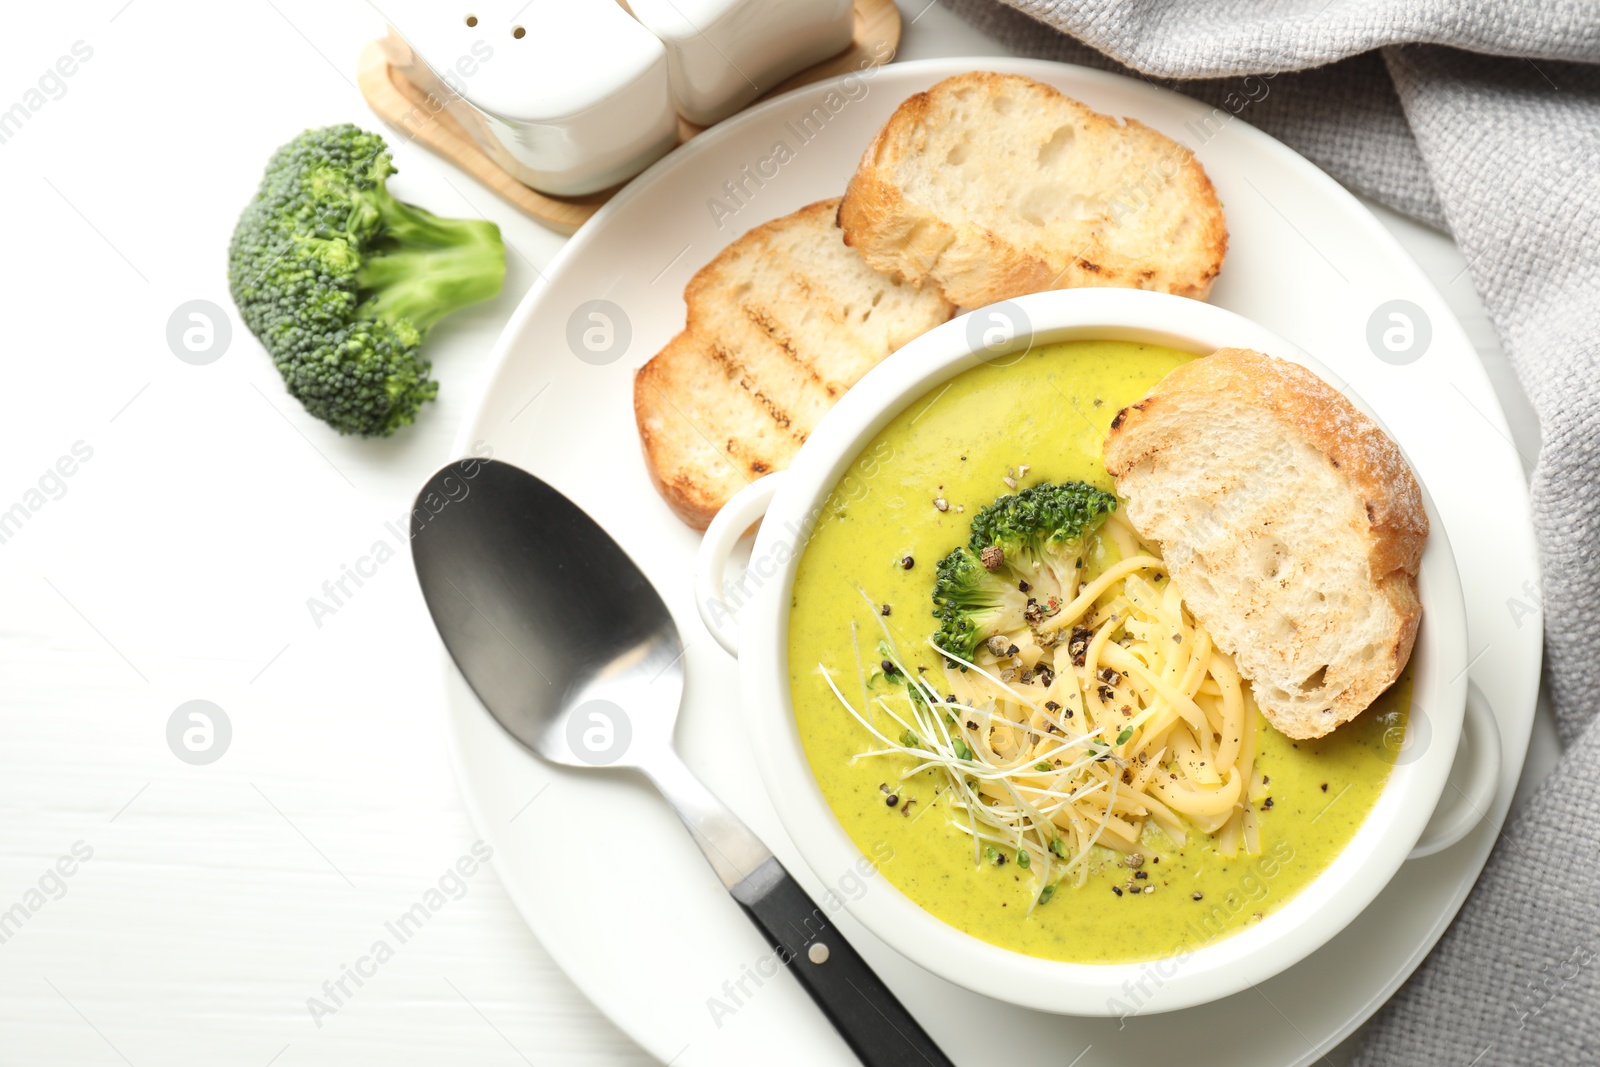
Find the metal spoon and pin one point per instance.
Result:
(573, 652)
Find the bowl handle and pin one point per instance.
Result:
(1454, 820)
(711, 591)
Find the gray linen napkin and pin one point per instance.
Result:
(1486, 121)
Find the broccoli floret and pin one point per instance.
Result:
(1021, 560)
(341, 282)
(972, 604)
(1041, 532)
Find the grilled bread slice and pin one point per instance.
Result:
(1290, 521)
(780, 324)
(989, 186)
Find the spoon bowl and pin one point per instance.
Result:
(557, 631)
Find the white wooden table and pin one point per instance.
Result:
(176, 562)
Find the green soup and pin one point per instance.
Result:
(1049, 409)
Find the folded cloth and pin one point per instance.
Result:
(1483, 119)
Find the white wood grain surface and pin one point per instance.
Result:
(176, 563)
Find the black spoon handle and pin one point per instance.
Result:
(867, 1015)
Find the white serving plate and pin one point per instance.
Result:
(598, 865)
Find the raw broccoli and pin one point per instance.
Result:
(341, 282)
(972, 604)
(1040, 533)
(1022, 559)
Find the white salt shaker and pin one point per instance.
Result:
(573, 100)
(725, 53)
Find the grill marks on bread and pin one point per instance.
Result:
(780, 324)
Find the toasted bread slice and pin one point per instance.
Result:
(990, 186)
(780, 324)
(1290, 521)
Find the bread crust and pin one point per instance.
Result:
(972, 264)
(1368, 460)
(690, 496)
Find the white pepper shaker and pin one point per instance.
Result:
(725, 53)
(569, 97)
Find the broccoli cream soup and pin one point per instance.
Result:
(1003, 698)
